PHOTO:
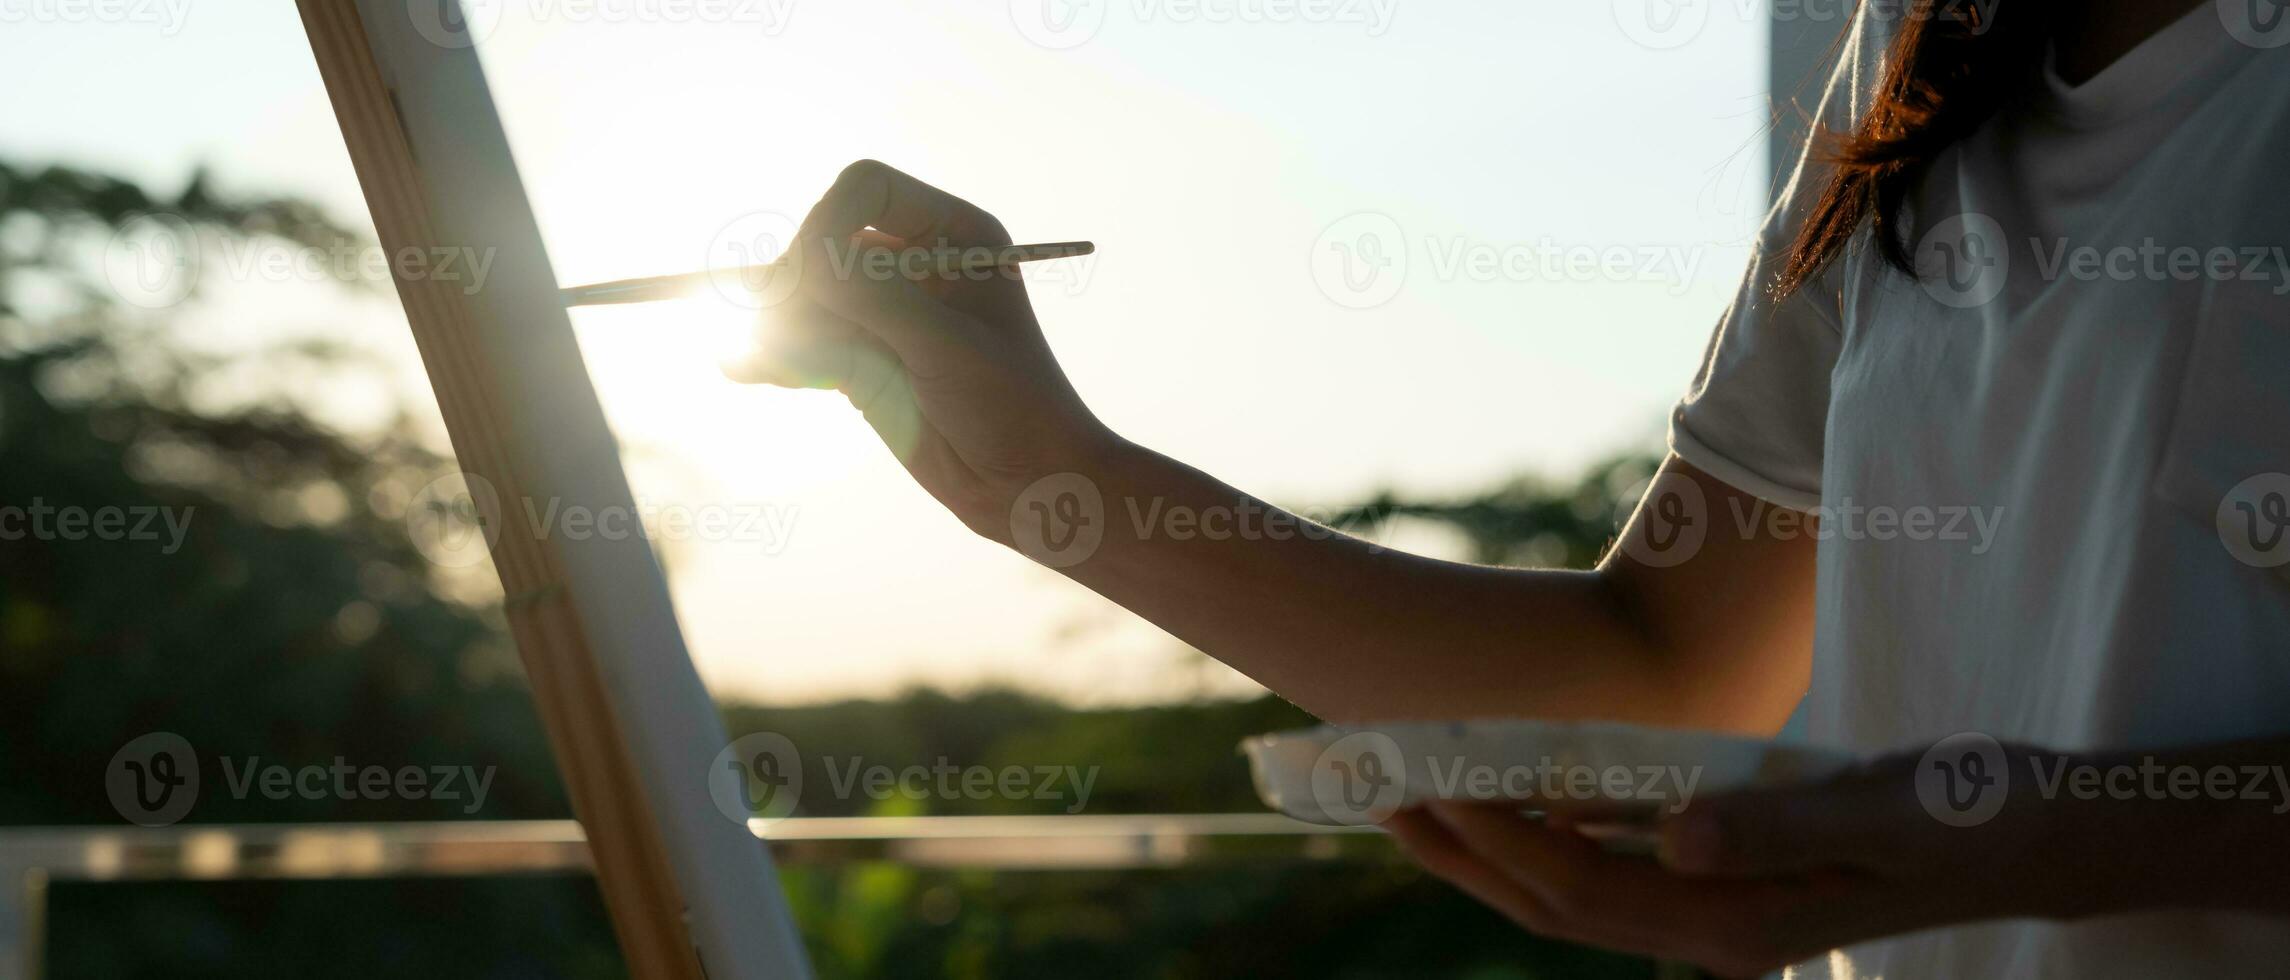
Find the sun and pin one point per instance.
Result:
(657, 370)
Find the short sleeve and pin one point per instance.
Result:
(1758, 409)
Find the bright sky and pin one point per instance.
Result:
(1214, 159)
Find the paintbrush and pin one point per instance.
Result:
(949, 263)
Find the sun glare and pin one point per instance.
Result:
(658, 368)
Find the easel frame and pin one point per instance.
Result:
(634, 732)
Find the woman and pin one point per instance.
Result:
(2031, 276)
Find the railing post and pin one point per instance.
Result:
(23, 900)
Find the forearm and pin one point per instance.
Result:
(1352, 631)
(957, 377)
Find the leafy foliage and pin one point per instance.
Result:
(292, 621)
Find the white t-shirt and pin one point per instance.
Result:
(2050, 473)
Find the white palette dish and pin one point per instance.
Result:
(1360, 774)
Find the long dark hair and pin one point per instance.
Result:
(1950, 65)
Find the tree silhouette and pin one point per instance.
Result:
(294, 621)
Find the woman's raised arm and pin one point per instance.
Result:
(956, 377)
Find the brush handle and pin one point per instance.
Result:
(960, 262)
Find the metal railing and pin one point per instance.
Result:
(32, 857)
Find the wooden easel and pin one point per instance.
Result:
(691, 894)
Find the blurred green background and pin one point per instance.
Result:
(298, 622)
